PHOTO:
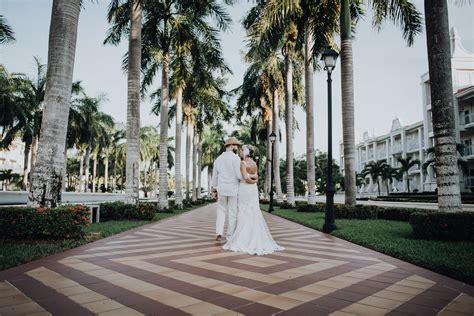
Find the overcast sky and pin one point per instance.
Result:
(386, 74)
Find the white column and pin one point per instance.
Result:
(387, 152)
(375, 150)
(404, 145)
(366, 153)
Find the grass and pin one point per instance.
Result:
(13, 253)
(451, 258)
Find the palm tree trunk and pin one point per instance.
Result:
(199, 170)
(94, 172)
(378, 185)
(34, 154)
(106, 171)
(268, 164)
(408, 183)
(177, 150)
(290, 189)
(81, 171)
(114, 180)
(209, 180)
(133, 104)
(26, 154)
(49, 170)
(310, 162)
(188, 153)
(442, 105)
(163, 195)
(87, 166)
(347, 95)
(194, 164)
(276, 146)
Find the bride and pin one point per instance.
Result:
(251, 234)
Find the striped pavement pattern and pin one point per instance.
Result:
(174, 267)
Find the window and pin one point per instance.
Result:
(467, 118)
(467, 147)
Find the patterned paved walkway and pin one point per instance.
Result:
(174, 267)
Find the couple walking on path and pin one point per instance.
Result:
(234, 182)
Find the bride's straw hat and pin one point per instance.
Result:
(232, 141)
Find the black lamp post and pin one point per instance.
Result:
(272, 138)
(329, 58)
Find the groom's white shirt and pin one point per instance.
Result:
(226, 174)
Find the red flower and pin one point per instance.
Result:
(13, 222)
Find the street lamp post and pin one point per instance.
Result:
(329, 58)
(272, 138)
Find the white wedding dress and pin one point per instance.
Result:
(251, 234)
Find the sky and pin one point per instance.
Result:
(386, 71)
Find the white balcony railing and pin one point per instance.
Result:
(412, 145)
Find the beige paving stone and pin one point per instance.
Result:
(380, 302)
(87, 297)
(392, 295)
(203, 309)
(300, 295)
(228, 288)
(15, 299)
(284, 303)
(21, 309)
(361, 309)
(177, 301)
(121, 312)
(461, 307)
(158, 294)
(252, 295)
(102, 306)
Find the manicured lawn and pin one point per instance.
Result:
(453, 259)
(13, 253)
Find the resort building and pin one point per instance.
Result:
(414, 140)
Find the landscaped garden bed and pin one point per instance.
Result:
(398, 239)
(27, 234)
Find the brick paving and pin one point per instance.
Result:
(174, 267)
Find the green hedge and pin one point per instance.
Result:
(119, 210)
(443, 225)
(363, 211)
(65, 222)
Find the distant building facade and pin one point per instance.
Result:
(414, 140)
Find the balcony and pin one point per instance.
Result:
(396, 148)
(468, 152)
(412, 145)
(468, 182)
(381, 153)
(467, 120)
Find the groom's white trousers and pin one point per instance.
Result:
(226, 207)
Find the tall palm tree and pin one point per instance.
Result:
(292, 26)
(439, 61)
(375, 170)
(50, 166)
(6, 33)
(402, 13)
(125, 17)
(406, 164)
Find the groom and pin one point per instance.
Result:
(226, 176)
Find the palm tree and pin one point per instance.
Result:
(126, 19)
(212, 147)
(439, 61)
(27, 118)
(50, 166)
(6, 33)
(406, 164)
(291, 26)
(375, 170)
(388, 174)
(402, 13)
